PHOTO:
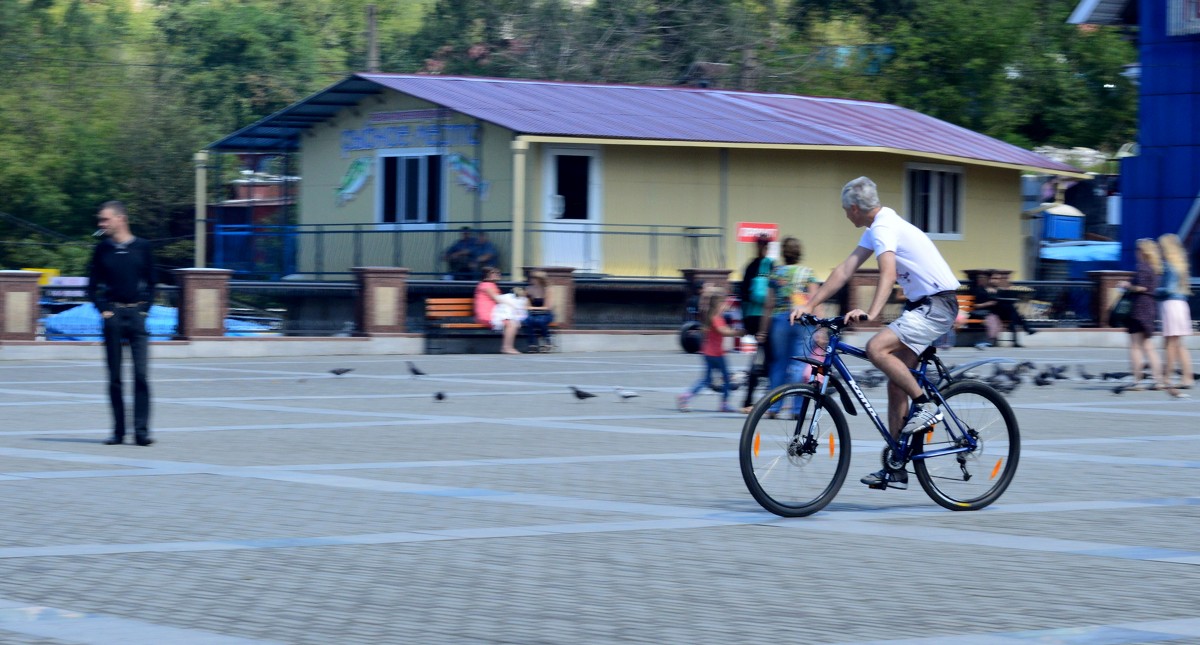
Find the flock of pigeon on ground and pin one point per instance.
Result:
(1006, 376)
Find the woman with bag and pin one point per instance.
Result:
(753, 292)
(1140, 322)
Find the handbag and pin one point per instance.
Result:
(1119, 315)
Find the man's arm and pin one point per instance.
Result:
(883, 288)
(97, 289)
(148, 277)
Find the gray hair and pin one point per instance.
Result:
(860, 192)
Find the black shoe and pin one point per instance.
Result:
(885, 478)
(1016, 344)
(1030, 330)
(144, 441)
(114, 441)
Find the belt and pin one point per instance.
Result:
(127, 305)
(914, 304)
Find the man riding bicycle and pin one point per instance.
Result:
(907, 256)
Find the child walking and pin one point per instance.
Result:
(712, 314)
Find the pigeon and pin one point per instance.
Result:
(1087, 376)
(440, 396)
(1116, 376)
(1059, 373)
(1119, 389)
(338, 371)
(626, 394)
(1042, 379)
(414, 370)
(580, 394)
(872, 378)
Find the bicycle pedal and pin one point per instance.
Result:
(879, 486)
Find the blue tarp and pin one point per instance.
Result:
(82, 322)
(1082, 251)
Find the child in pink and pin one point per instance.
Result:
(713, 306)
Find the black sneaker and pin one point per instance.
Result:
(885, 478)
(144, 441)
(114, 441)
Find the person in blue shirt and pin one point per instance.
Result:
(460, 257)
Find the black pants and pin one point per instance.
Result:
(128, 324)
(1007, 312)
(752, 324)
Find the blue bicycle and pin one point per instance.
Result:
(795, 445)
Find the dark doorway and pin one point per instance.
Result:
(572, 173)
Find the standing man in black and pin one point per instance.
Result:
(121, 285)
(753, 313)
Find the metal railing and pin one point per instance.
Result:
(329, 251)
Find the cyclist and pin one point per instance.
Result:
(906, 255)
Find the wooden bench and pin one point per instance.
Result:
(455, 318)
(966, 304)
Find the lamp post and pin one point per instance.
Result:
(201, 164)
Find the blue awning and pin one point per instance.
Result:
(1082, 251)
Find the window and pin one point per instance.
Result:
(934, 197)
(411, 189)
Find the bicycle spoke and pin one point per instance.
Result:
(975, 478)
(794, 461)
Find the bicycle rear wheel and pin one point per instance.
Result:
(794, 464)
(969, 481)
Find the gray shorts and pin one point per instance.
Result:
(931, 317)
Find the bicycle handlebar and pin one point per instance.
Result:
(835, 323)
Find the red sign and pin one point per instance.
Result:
(749, 231)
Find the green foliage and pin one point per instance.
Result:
(69, 258)
(109, 99)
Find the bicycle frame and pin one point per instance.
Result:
(961, 441)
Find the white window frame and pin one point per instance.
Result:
(935, 214)
(380, 165)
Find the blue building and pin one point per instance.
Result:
(1160, 186)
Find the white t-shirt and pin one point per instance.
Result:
(920, 268)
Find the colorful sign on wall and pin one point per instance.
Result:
(355, 178)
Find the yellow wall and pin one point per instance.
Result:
(324, 162)
(801, 191)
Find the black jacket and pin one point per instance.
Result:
(122, 274)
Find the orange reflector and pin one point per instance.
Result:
(996, 470)
(757, 440)
(832, 445)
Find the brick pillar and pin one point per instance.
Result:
(1105, 292)
(203, 302)
(382, 300)
(18, 305)
(561, 281)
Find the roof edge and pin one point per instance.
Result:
(1073, 173)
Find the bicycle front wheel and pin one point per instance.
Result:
(794, 461)
(969, 481)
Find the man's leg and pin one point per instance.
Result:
(112, 353)
(138, 341)
(894, 359)
(751, 324)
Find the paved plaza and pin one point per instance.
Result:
(284, 504)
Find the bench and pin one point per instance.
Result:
(454, 318)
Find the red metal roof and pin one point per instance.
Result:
(673, 113)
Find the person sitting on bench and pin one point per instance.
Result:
(493, 308)
(993, 307)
